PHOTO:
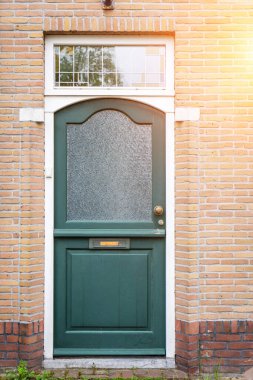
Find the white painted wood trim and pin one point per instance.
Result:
(49, 236)
(55, 101)
(49, 224)
(50, 41)
(170, 237)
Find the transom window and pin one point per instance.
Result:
(109, 65)
(139, 66)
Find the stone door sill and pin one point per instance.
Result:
(110, 363)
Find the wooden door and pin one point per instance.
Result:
(109, 243)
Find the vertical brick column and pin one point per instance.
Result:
(187, 346)
(21, 341)
(9, 342)
(21, 184)
(31, 343)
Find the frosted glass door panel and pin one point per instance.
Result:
(109, 169)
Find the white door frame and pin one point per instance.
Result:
(56, 100)
(53, 104)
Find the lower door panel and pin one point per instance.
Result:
(109, 301)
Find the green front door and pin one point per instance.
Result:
(109, 243)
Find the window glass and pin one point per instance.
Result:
(109, 169)
(110, 66)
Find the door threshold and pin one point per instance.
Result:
(110, 363)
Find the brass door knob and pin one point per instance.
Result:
(158, 210)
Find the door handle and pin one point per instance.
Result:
(158, 210)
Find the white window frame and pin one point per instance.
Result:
(57, 98)
(51, 41)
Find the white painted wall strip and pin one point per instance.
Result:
(31, 114)
(187, 114)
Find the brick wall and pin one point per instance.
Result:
(213, 71)
(204, 346)
(21, 341)
(22, 164)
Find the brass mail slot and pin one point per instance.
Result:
(109, 243)
(97, 243)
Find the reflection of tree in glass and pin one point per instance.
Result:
(81, 65)
(95, 59)
(119, 80)
(66, 65)
(109, 59)
(93, 66)
(81, 59)
(66, 59)
(111, 77)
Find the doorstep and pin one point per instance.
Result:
(111, 368)
(109, 363)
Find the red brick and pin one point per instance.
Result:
(15, 328)
(248, 353)
(239, 362)
(193, 353)
(213, 345)
(250, 326)
(212, 362)
(12, 338)
(227, 326)
(22, 329)
(30, 347)
(219, 326)
(178, 325)
(12, 355)
(248, 337)
(182, 337)
(210, 326)
(228, 369)
(192, 328)
(227, 354)
(240, 345)
(1, 328)
(30, 339)
(234, 326)
(227, 338)
(182, 345)
(8, 347)
(8, 363)
(202, 327)
(38, 354)
(41, 326)
(183, 326)
(8, 327)
(192, 338)
(36, 327)
(242, 326)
